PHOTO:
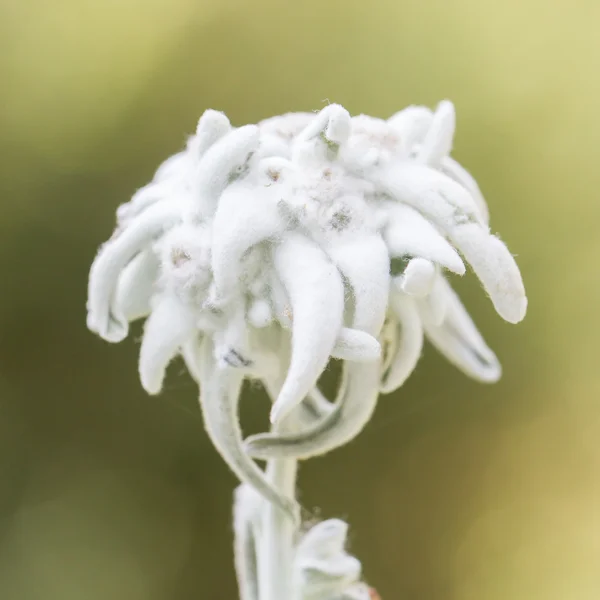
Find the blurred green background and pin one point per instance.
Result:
(456, 491)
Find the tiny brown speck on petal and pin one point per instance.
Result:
(179, 256)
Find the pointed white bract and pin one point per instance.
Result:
(265, 251)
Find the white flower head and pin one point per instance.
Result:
(266, 250)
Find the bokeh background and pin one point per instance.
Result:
(456, 491)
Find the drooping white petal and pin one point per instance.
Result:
(247, 215)
(110, 261)
(409, 342)
(458, 339)
(496, 269)
(412, 124)
(353, 409)
(458, 173)
(408, 233)
(440, 199)
(364, 262)
(437, 142)
(418, 278)
(219, 396)
(356, 345)
(451, 207)
(434, 306)
(136, 286)
(169, 325)
(316, 294)
(321, 138)
(224, 162)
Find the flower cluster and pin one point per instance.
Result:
(265, 250)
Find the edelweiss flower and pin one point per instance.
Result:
(265, 250)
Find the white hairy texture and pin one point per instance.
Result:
(456, 171)
(135, 286)
(409, 342)
(418, 278)
(412, 124)
(365, 264)
(451, 207)
(263, 251)
(459, 340)
(496, 269)
(219, 394)
(316, 295)
(433, 307)
(232, 344)
(322, 567)
(212, 126)
(114, 255)
(185, 253)
(317, 142)
(169, 325)
(356, 346)
(437, 197)
(245, 516)
(246, 216)
(409, 234)
(437, 142)
(260, 314)
(352, 410)
(223, 162)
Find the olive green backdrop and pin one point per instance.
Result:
(456, 491)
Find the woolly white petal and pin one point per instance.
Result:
(408, 233)
(496, 268)
(409, 344)
(365, 264)
(434, 306)
(433, 194)
(458, 339)
(246, 216)
(110, 261)
(451, 207)
(322, 568)
(353, 409)
(418, 278)
(212, 126)
(457, 172)
(322, 137)
(323, 540)
(169, 325)
(438, 139)
(135, 286)
(316, 294)
(356, 345)
(219, 396)
(412, 123)
(223, 162)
